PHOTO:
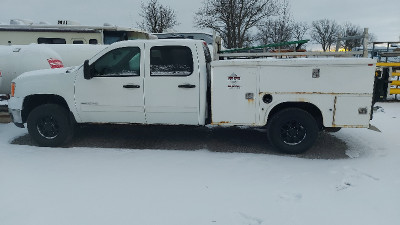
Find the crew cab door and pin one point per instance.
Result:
(115, 92)
(172, 84)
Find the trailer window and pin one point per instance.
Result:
(120, 62)
(77, 42)
(171, 61)
(93, 41)
(114, 36)
(42, 40)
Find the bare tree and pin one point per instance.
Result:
(233, 19)
(300, 30)
(371, 37)
(156, 17)
(349, 30)
(279, 29)
(325, 32)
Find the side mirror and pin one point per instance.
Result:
(86, 70)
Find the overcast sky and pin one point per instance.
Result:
(381, 17)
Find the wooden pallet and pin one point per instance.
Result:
(5, 117)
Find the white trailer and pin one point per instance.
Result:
(21, 32)
(172, 82)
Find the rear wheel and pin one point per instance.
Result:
(292, 130)
(50, 125)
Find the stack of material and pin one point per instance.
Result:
(4, 115)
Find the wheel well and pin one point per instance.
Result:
(33, 101)
(306, 106)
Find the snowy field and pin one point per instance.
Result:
(96, 186)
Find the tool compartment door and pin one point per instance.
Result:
(234, 95)
(352, 111)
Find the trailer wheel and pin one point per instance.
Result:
(292, 130)
(50, 125)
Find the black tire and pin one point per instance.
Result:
(50, 125)
(332, 129)
(292, 130)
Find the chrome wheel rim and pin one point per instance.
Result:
(48, 127)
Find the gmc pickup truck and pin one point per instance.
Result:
(175, 82)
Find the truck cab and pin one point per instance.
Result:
(144, 82)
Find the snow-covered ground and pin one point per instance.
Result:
(81, 186)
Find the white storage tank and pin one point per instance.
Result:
(17, 59)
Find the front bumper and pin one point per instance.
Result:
(16, 117)
(15, 110)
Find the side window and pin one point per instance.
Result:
(171, 61)
(118, 62)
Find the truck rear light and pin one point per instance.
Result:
(12, 89)
(0, 73)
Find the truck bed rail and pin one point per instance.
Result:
(260, 51)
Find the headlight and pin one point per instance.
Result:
(12, 89)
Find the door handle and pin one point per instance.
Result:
(131, 86)
(187, 86)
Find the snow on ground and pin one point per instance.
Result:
(48, 186)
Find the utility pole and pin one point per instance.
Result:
(365, 43)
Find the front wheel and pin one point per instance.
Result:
(292, 130)
(50, 125)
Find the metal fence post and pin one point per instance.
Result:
(365, 43)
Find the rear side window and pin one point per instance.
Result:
(171, 61)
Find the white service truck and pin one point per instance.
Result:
(174, 82)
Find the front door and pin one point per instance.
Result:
(171, 85)
(115, 93)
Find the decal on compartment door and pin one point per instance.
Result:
(233, 81)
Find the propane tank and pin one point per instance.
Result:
(17, 59)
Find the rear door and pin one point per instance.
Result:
(172, 84)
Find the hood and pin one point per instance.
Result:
(49, 81)
(41, 74)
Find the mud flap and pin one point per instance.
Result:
(372, 127)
